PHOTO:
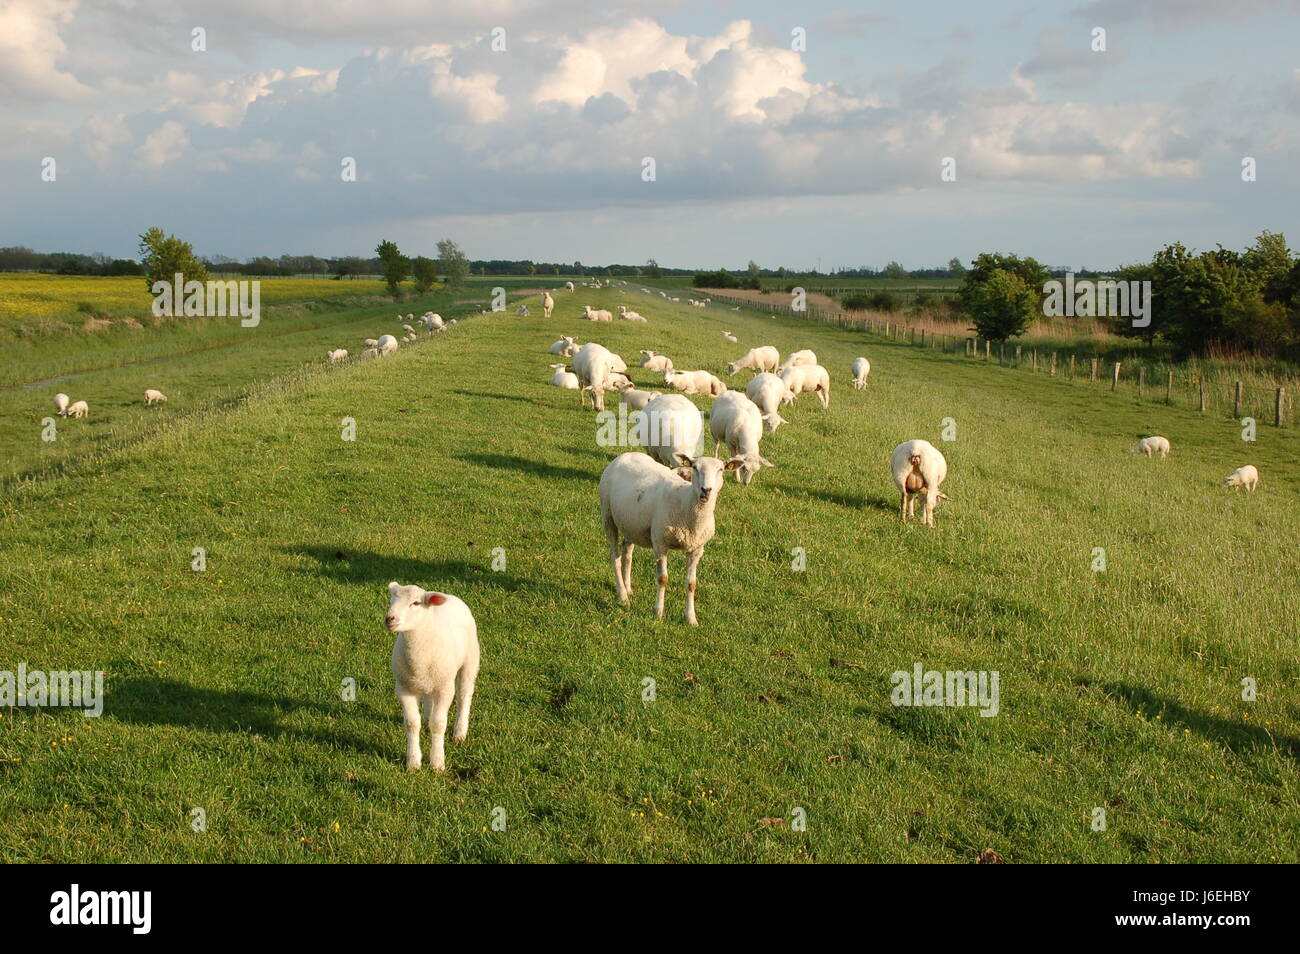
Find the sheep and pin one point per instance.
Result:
(1152, 445)
(372, 342)
(798, 358)
(337, 355)
(568, 286)
(152, 396)
(386, 344)
(564, 347)
(564, 379)
(635, 399)
(730, 337)
(369, 353)
(547, 304)
(408, 329)
(78, 409)
(919, 468)
(808, 377)
(768, 392)
(694, 382)
(432, 322)
(522, 310)
(670, 425)
(596, 314)
(61, 404)
(1246, 476)
(435, 658)
(649, 505)
(654, 361)
(594, 364)
(861, 368)
(737, 422)
(628, 315)
(761, 359)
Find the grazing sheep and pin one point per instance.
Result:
(919, 468)
(649, 505)
(594, 365)
(654, 361)
(596, 314)
(568, 286)
(727, 334)
(761, 359)
(736, 421)
(408, 329)
(670, 425)
(861, 368)
(1246, 476)
(808, 377)
(61, 404)
(521, 310)
(78, 409)
(768, 392)
(337, 355)
(1152, 445)
(798, 358)
(564, 379)
(433, 322)
(372, 342)
(694, 382)
(369, 353)
(547, 304)
(564, 347)
(435, 658)
(630, 315)
(152, 396)
(386, 344)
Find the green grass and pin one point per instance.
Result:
(1118, 689)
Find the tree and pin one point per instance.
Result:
(452, 263)
(956, 268)
(987, 263)
(425, 272)
(162, 256)
(895, 270)
(1002, 305)
(655, 270)
(394, 266)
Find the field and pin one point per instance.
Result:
(1121, 689)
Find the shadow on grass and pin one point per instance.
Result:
(849, 501)
(525, 466)
(488, 394)
(361, 566)
(1231, 734)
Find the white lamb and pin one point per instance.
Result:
(1152, 445)
(61, 404)
(522, 310)
(596, 314)
(372, 342)
(594, 365)
(564, 347)
(736, 421)
(386, 344)
(337, 355)
(636, 399)
(694, 382)
(568, 286)
(435, 658)
(761, 359)
(768, 392)
(632, 316)
(861, 368)
(808, 377)
(726, 334)
(547, 304)
(798, 358)
(918, 468)
(78, 409)
(649, 505)
(1246, 476)
(152, 396)
(654, 361)
(564, 379)
(369, 353)
(408, 329)
(670, 425)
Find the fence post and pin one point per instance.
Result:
(1095, 362)
(1142, 382)
(1169, 389)
(987, 348)
(1071, 367)
(1035, 354)
(1278, 403)
(1236, 401)
(1114, 383)
(1204, 395)
(1002, 350)
(1053, 364)
(1017, 356)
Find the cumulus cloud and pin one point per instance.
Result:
(32, 50)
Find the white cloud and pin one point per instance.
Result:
(165, 144)
(31, 49)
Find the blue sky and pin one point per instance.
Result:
(824, 157)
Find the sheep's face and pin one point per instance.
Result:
(706, 474)
(407, 605)
(750, 465)
(787, 397)
(772, 422)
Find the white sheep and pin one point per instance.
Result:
(372, 342)
(337, 355)
(1152, 445)
(564, 379)
(808, 377)
(918, 468)
(861, 368)
(736, 421)
(435, 659)
(730, 337)
(522, 310)
(632, 316)
(768, 392)
(61, 404)
(654, 361)
(369, 353)
(78, 409)
(649, 505)
(670, 425)
(564, 347)
(694, 382)
(596, 314)
(1246, 476)
(547, 304)
(798, 358)
(761, 359)
(152, 396)
(432, 322)
(636, 399)
(594, 364)
(408, 329)
(568, 286)
(386, 344)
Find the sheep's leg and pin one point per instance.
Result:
(662, 557)
(464, 696)
(692, 561)
(411, 716)
(825, 397)
(439, 704)
(902, 507)
(615, 558)
(628, 547)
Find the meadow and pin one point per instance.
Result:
(1121, 689)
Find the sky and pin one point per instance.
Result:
(809, 135)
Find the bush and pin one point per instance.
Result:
(1002, 305)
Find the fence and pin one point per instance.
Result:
(1144, 381)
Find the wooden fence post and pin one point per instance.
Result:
(1053, 364)
(1071, 367)
(1002, 349)
(987, 348)
(1169, 389)
(1114, 383)
(1142, 382)
(1278, 403)
(1017, 356)
(1095, 362)
(1204, 395)
(1035, 354)
(1236, 401)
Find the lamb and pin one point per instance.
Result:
(596, 314)
(798, 358)
(728, 335)
(564, 347)
(694, 382)
(628, 315)
(768, 392)
(670, 425)
(635, 399)
(649, 505)
(522, 310)
(61, 404)
(547, 304)
(761, 359)
(1246, 476)
(808, 377)
(568, 286)
(408, 329)
(654, 361)
(737, 422)
(386, 344)
(152, 396)
(564, 379)
(919, 468)
(861, 368)
(372, 342)
(594, 365)
(369, 353)
(432, 322)
(337, 355)
(435, 658)
(1152, 445)
(78, 409)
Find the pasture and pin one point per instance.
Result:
(1120, 689)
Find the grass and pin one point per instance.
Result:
(1119, 689)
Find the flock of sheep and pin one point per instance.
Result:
(63, 408)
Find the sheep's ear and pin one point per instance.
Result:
(393, 587)
(733, 463)
(434, 599)
(684, 459)
(685, 473)
(765, 462)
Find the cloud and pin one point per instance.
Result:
(165, 144)
(31, 48)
